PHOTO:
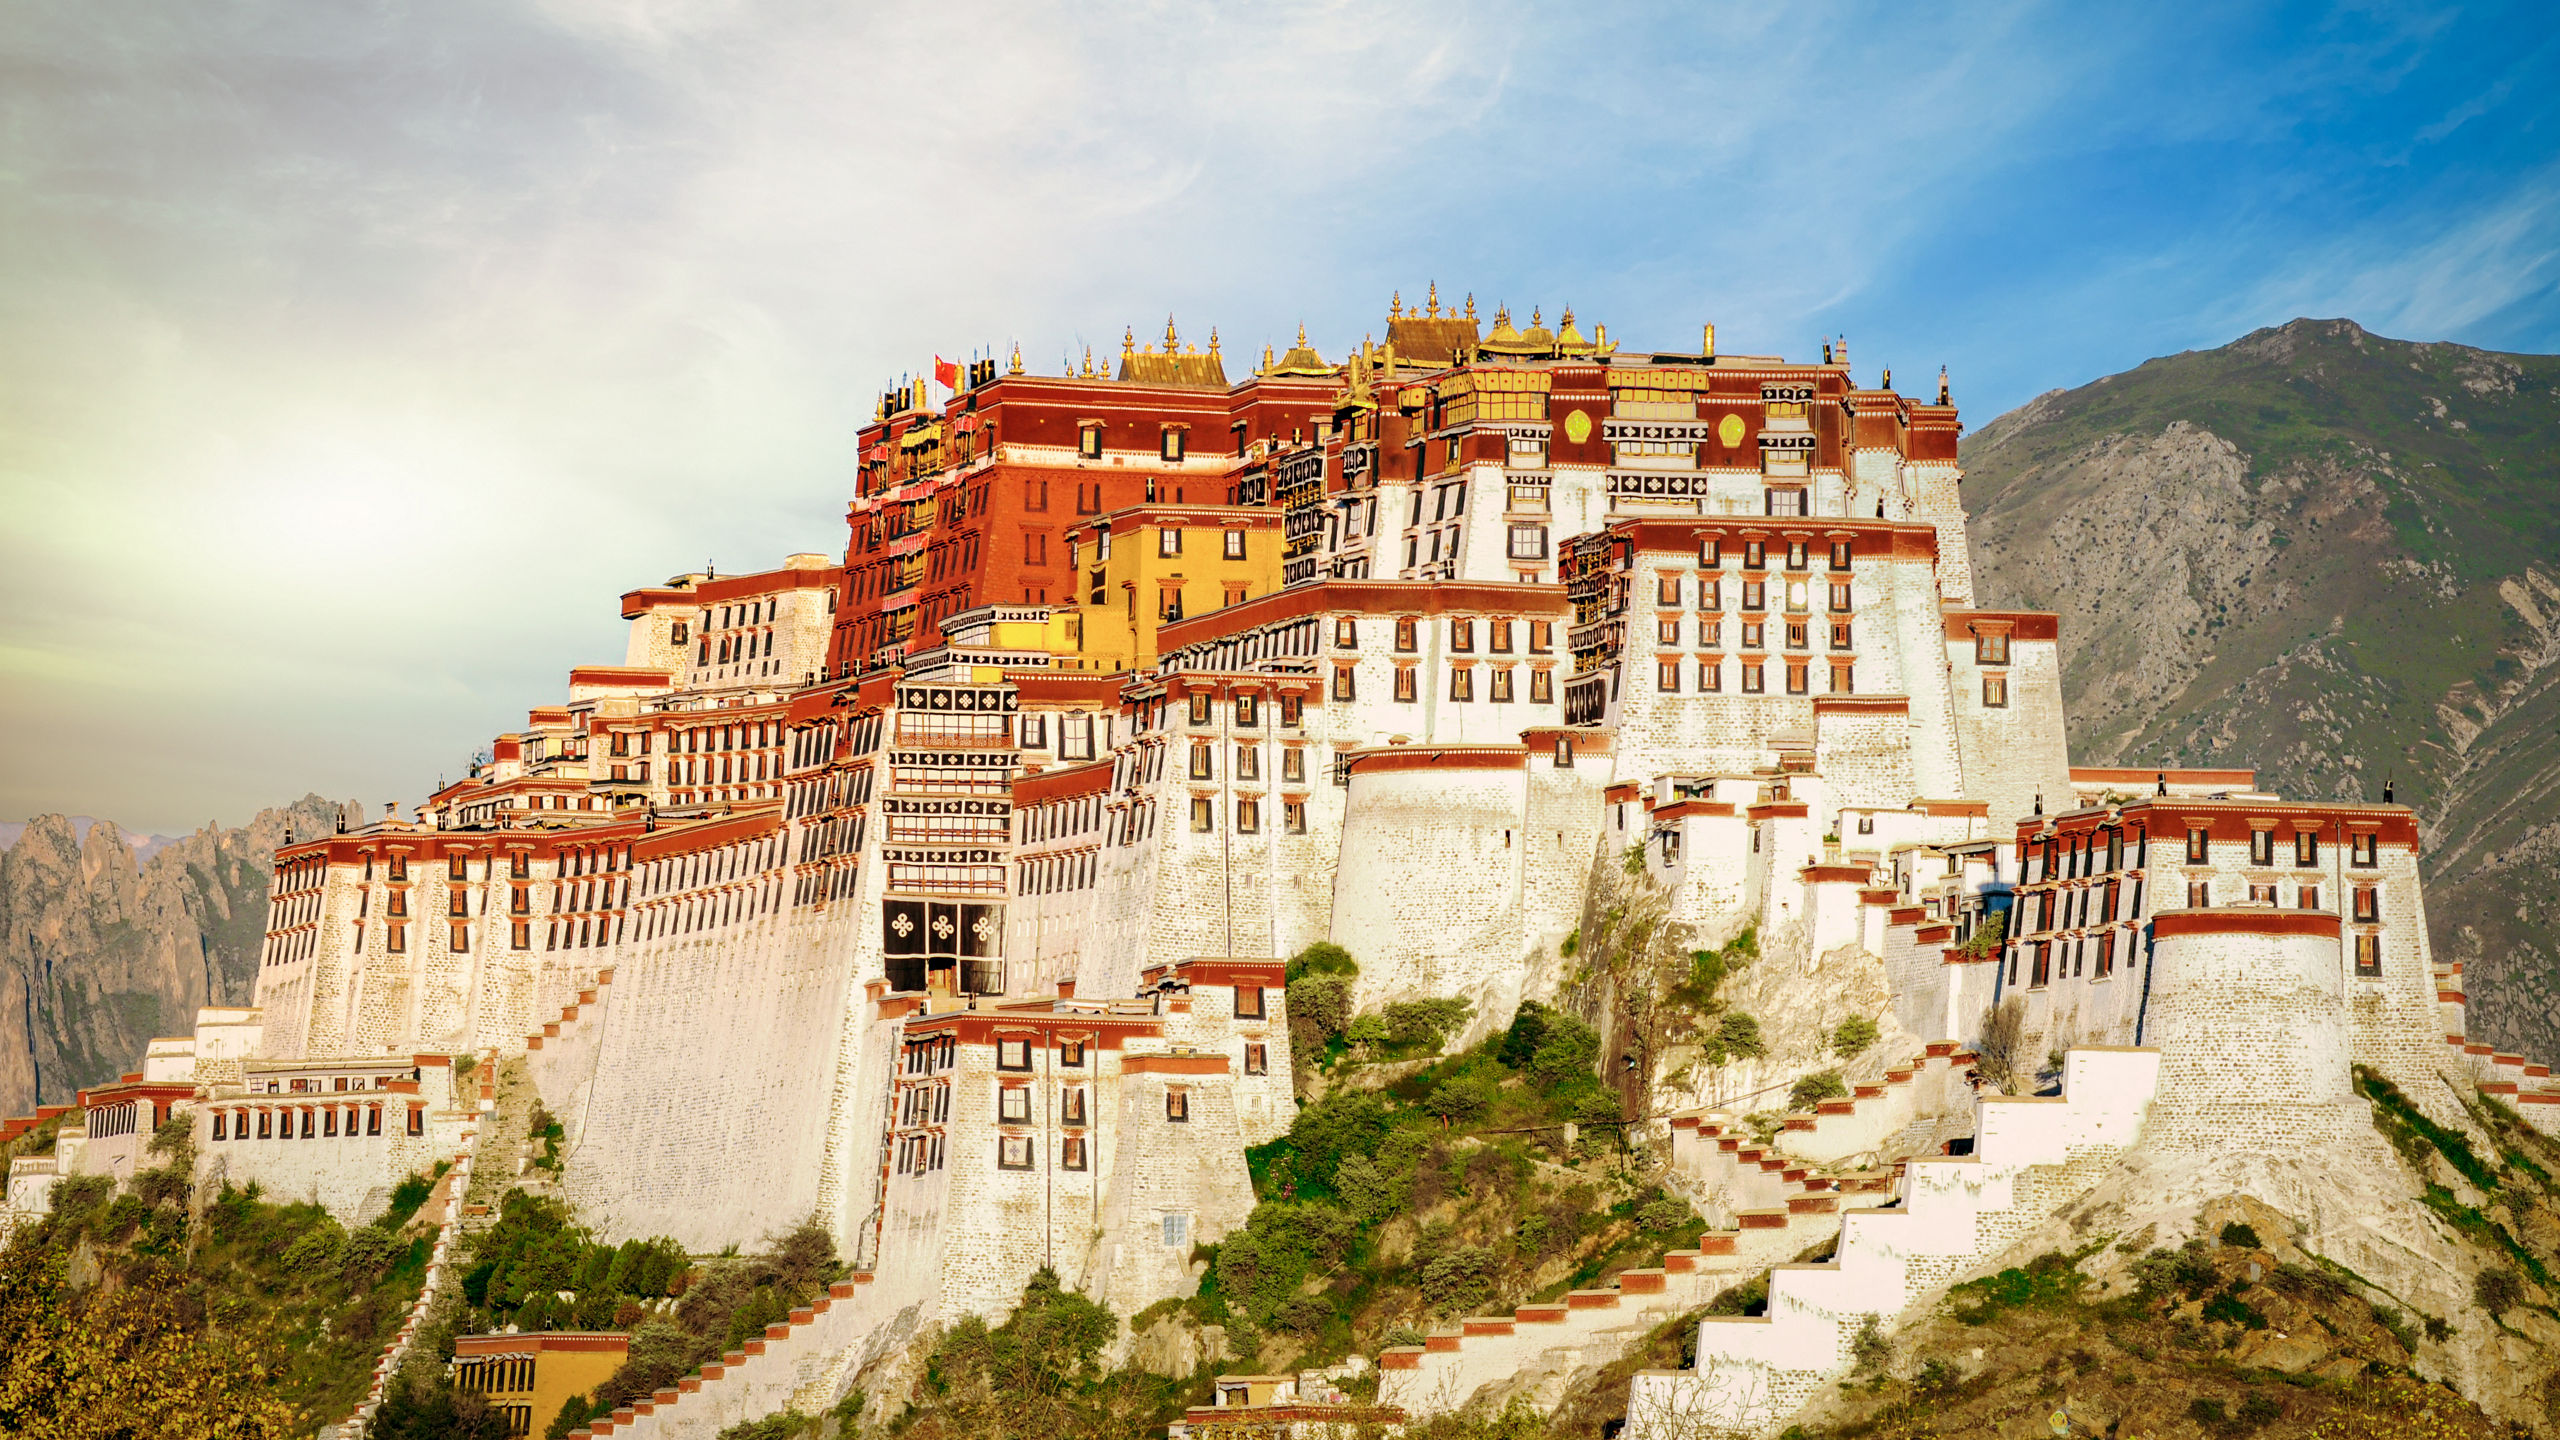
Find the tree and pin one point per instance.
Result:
(1853, 1037)
(119, 1361)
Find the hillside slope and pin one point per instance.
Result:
(2335, 557)
(99, 954)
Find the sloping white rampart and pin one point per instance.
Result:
(2032, 1155)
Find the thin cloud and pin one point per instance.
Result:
(352, 361)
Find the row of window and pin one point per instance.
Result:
(1797, 595)
(318, 1123)
(1248, 710)
(1204, 815)
(1248, 762)
(1061, 817)
(1499, 632)
(1755, 630)
(1751, 676)
(1500, 688)
(1049, 874)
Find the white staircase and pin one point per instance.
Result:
(2032, 1156)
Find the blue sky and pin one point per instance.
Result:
(354, 358)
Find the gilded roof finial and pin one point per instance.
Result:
(1213, 339)
(1017, 357)
(1533, 317)
(1302, 334)
(1471, 304)
(1710, 351)
(1265, 367)
(1128, 342)
(1888, 379)
(1395, 306)
(1088, 362)
(1566, 320)
(1172, 342)
(1431, 306)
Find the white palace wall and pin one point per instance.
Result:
(706, 1114)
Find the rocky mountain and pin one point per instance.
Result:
(99, 953)
(2335, 557)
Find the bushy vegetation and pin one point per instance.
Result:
(119, 1315)
(537, 1271)
(1438, 1195)
(1037, 1376)
(719, 1304)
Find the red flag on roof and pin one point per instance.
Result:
(946, 373)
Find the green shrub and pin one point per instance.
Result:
(1528, 1030)
(2046, 1281)
(2260, 1408)
(1322, 958)
(2242, 1235)
(781, 1425)
(315, 1249)
(1425, 1024)
(1461, 1101)
(1367, 1030)
(1813, 1089)
(2205, 1412)
(1667, 1213)
(2497, 1291)
(1736, 1037)
(1459, 1280)
(1261, 1266)
(2229, 1309)
(1567, 1051)
(75, 1196)
(1853, 1037)
(1869, 1350)
(406, 1197)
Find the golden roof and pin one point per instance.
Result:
(1301, 359)
(1175, 367)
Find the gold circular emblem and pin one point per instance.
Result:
(1577, 425)
(1730, 431)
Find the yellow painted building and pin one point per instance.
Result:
(1139, 568)
(527, 1378)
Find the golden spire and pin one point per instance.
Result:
(1265, 367)
(1431, 307)
(1172, 342)
(1533, 317)
(1128, 342)
(1087, 372)
(1017, 357)
(1302, 334)
(1710, 351)
(1471, 304)
(1213, 339)
(1395, 306)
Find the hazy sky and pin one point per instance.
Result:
(355, 356)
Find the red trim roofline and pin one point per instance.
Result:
(2320, 924)
(2020, 624)
(1364, 597)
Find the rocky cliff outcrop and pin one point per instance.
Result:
(99, 954)
(2333, 557)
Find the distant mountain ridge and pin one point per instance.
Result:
(144, 846)
(2333, 556)
(102, 949)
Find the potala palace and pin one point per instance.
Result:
(939, 887)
